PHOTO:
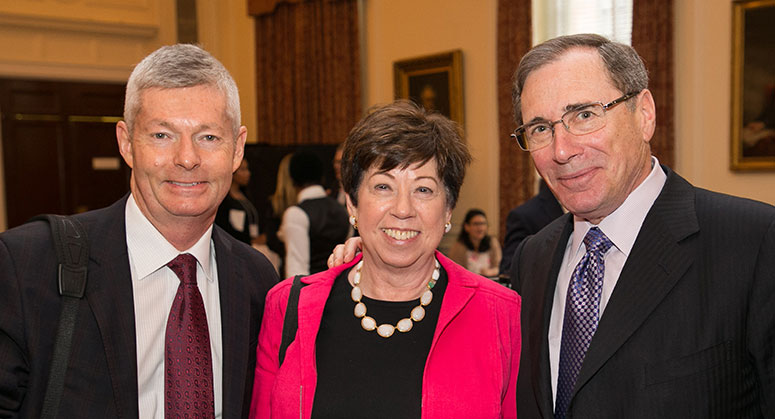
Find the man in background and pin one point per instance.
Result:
(317, 223)
(170, 317)
(651, 298)
(527, 219)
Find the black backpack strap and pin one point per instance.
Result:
(291, 321)
(72, 249)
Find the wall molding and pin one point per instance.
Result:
(82, 26)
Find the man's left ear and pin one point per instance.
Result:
(239, 148)
(648, 114)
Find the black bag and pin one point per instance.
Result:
(72, 247)
(291, 321)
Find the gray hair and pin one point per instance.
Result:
(177, 66)
(625, 67)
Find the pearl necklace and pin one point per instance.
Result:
(404, 325)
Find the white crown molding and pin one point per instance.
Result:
(65, 71)
(135, 30)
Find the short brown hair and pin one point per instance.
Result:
(402, 134)
(625, 67)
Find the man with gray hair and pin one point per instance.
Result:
(169, 321)
(651, 298)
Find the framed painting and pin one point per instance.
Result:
(433, 81)
(753, 85)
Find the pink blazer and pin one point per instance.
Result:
(471, 370)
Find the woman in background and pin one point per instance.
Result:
(236, 214)
(284, 196)
(284, 193)
(474, 249)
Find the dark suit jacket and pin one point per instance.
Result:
(101, 380)
(527, 219)
(689, 330)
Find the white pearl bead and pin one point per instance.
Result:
(356, 294)
(426, 298)
(418, 313)
(386, 330)
(360, 310)
(404, 325)
(368, 324)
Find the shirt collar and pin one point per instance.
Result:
(311, 192)
(150, 251)
(622, 225)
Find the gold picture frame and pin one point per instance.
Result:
(432, 81)
(753, 85)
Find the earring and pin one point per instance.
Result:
(353, 222)
(447, 227)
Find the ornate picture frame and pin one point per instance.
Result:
(753, 85)
(432, 81)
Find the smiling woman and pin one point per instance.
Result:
(408, 323)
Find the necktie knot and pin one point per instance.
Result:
(184, 266)
(596, 241)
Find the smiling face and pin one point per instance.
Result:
(590, 174)
(401, 215)
(182, 152)
(476, 228)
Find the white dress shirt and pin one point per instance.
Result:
(294, 231)
(621, 227)
(154, 286)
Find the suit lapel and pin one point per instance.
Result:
(555, 245)
(656, 263)
(235, 323)
(109, 294)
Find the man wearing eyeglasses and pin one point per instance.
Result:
(651, 298)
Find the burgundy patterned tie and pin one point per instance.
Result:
(582, 313)
(188, 375)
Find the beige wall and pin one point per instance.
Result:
(227, 32)
(102, 41)
(398, 29)
(87, 40)
(703, 84)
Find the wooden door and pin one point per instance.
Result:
(59, 147)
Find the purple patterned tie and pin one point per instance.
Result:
(582, 312)
(188, 374)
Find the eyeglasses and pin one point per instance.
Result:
(582, 119)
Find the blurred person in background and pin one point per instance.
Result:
(527, 219)
(284, 196)
(316, 224)
(239, 217)
(474, 249)
(236, 214)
